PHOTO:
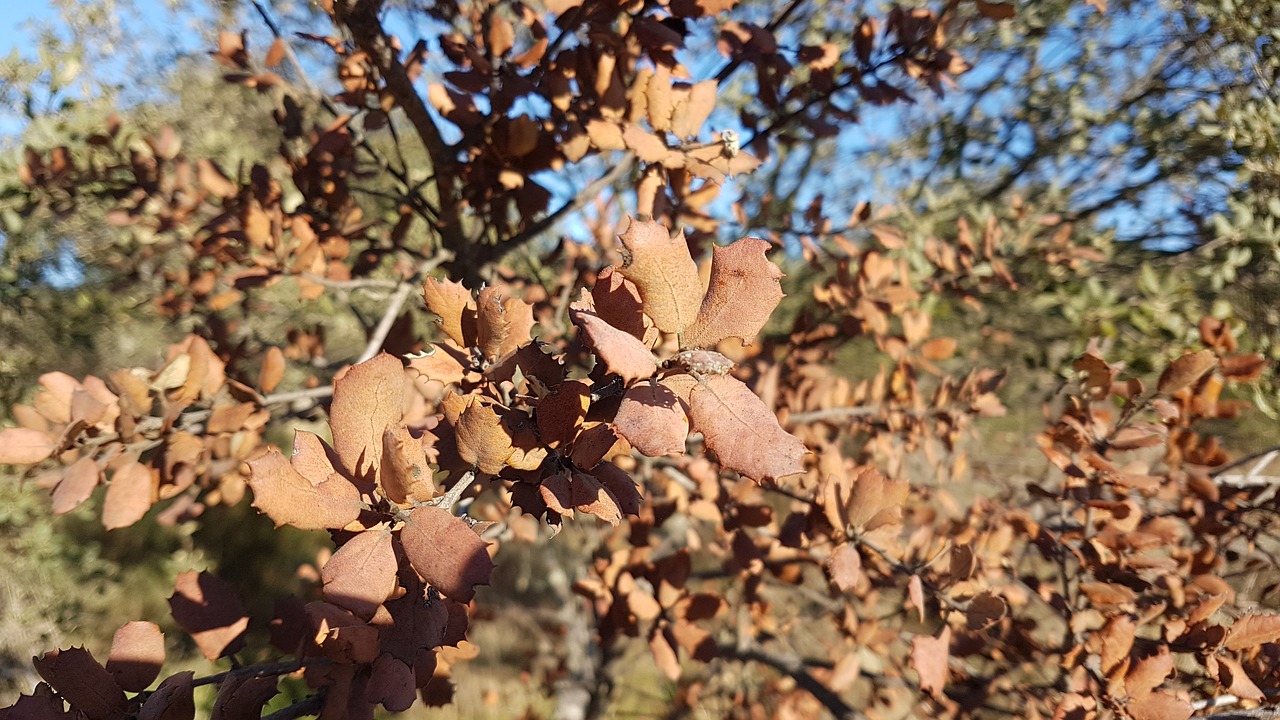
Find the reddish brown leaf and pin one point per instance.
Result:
(653, 420)
(446, 553)
(1232, 677)
(845, 566)
(23, 446)
(664, 273)
(581, 492)
(1146, 674)
(483, 440)
(272, 370)
(985, 609)
(617, 301)
(560, 414)
(129, 496)
(1117, 640)
(391, 684)
(361, 575)
(174, 699)
(1159, 706)
(82, 682)
(443, 362)
(242, 697)
(492, 325)
(662, 645)
(412, 625)
(596, 441)
(996, 11)
(620, 487)
(743, 292)
(367, 400)
(312, 457)
(137, 654)
(406, 474)
(76, 486)
(620, 351)
(453, 303)
(1251, 631)
(288, 498)
(342, 637)
(742, 432)
(208, 609)
(915, 592)
(929, 656)
(1186, 370)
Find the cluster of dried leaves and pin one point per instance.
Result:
(762, 506)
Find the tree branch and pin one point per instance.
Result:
(794, 668)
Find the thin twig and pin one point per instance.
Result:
(264, 670)
(451, 498)
(388, 319)
(307, 706)
(794, 668)
(579, 200)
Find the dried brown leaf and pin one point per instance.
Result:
(1251, 631)
(985, 609)
(743, 292)
(845, 566)
(1159, 706)
(653, 420)
(361, 575)
(406, 474)
(620, 486)
(76, 486)
(391, 684)
(1146, 674)
(137, 654)
(1186, 370)
(620, 351)
(208, 609)
(242, 697)
(664, 274)
(288, 498)
(446, 553)
(483, 440)
(23, 446)
(367, 400)
(1233, 678)
(742, 432)
(130, 494)
(82, 682)
(929, 657)
(457, 311)
(560, 414)
(272, 370)
(648, 147)
(492, 325)
(174, 699)
(564, 494)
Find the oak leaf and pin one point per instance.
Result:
(288, 498)
(564, 494)
(446, 553)
(341, 636)
(560, 413)
(742, 432)
(137, 654)
(743, 292)
(243, 696)
(1159, 706)
(442, 362)
(406, 474)
(312, 457)
(1186, 370)
(483, 440)
(617, 301)
(272, 370)
(24, 446)
(929, 656)
(457, 311)
(76, 485)
(391, 684)
(81, 681)
(594, 443)
(1251, 631)
(361, 575)
(620, 351)
(845, 566)
(664, 274)
(492, 325)
(207, 609)
(367, 400)
(620, 486)
(174, 699)
(129, 496)
(653, 419)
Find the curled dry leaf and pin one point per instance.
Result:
(620, 487)
(207, 609)
(137, 654)
(406, 475)
(620, 351)
(653, 419)
(1187, 369)
(743, 292)
(288, 498)
(446, 553)
(272, 371)
(83, 683)
(367, 400)
(492, 325)
(664, 274)
(742, 432)
(361, 575)
(1252, 631)
(564, 494)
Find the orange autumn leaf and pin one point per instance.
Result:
(664, 274)
(743, 293)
